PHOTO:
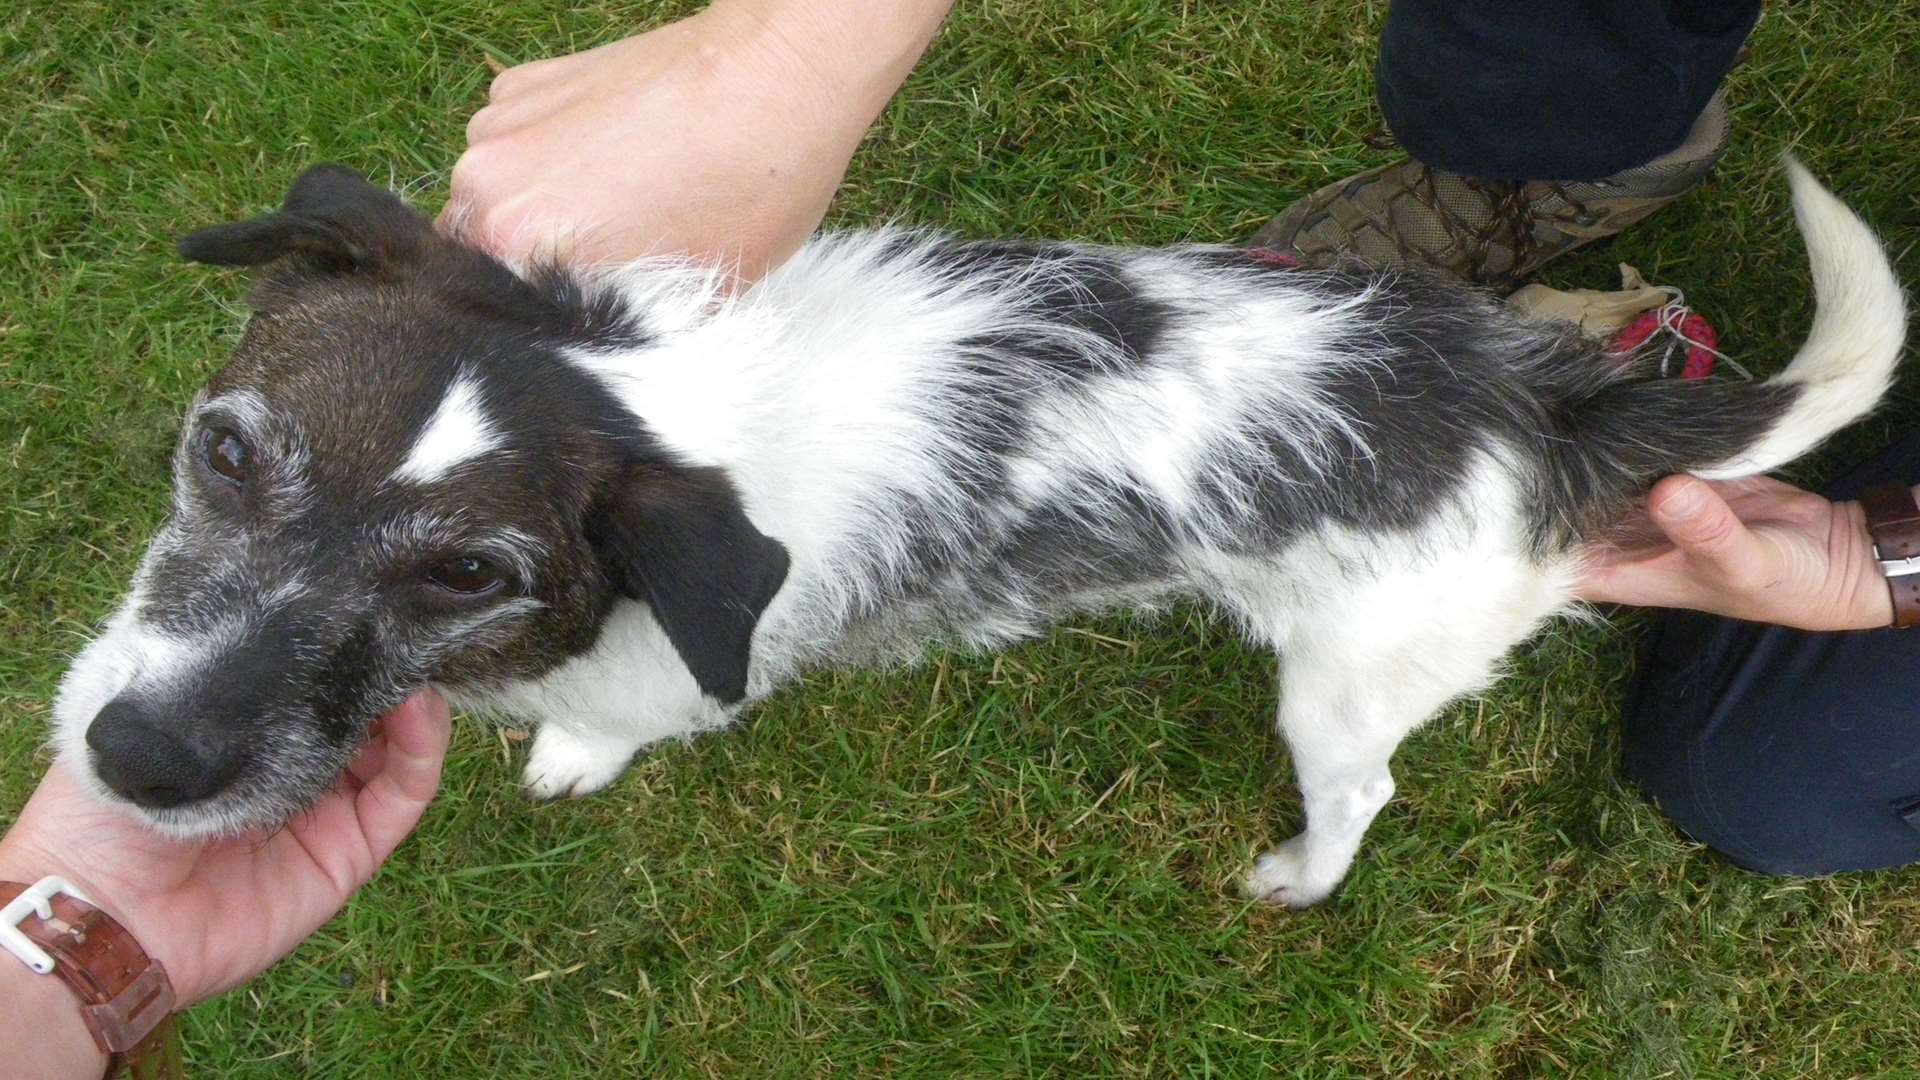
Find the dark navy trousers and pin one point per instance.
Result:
(1552, 89)
(1789, 752)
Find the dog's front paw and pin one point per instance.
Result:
(566, 764)
(1287, 877)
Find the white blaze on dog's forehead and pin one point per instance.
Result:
(458, 431)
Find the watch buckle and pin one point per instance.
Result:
(1900, 567)
(36, 900)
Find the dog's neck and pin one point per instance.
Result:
(809, 388)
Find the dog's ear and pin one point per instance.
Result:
(332, 217)
(678, 540)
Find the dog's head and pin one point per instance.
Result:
(399, 478)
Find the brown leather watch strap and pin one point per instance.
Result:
(126, 999)
(1893, 520)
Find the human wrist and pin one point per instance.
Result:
(849, 56)
(121, 995)
(41, 1027)
(27, 861)
(41, 1013)
(1868, 604)
(1887, 537)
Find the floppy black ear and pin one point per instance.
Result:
(678, 540)
(332, 217)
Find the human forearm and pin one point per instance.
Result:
(860, 51)
(40, 1023)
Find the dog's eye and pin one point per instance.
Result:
(227, 455)
(468, 574)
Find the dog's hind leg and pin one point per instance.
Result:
(1360, 671)
(1341, 727)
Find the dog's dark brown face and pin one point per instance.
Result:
(398, 479)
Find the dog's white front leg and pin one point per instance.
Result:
(565, 763)
(599, 709)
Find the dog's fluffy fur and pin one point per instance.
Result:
(896, 439)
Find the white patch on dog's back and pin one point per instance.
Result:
(458, 431)
(810, 416)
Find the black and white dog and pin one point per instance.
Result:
(626, 505)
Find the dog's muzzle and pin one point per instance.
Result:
(154, 765)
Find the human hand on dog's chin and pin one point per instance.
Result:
(1753, 549)
(721, 136)
(217, 914)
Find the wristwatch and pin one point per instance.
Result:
(1893, 520)
(125, 997)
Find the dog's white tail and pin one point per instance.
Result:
(1859, 327)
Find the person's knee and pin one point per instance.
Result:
(1780, 814)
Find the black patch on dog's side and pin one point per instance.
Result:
(1424, 400)
(1071, 287)
(1445, 373)
(678, 540)
(1053, 287)
(1079, 543)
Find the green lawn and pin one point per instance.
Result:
(989, 866)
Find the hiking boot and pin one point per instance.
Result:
(1485, 231)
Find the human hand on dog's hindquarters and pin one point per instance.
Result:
(1753, 549)
(217, 914)
(722, 136)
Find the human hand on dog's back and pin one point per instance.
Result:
(1753, 549)
(722, 136)
(215, 914)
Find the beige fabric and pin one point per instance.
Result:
(1599, 314)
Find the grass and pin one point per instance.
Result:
(989, 866)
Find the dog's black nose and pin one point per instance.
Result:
(141, 760)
